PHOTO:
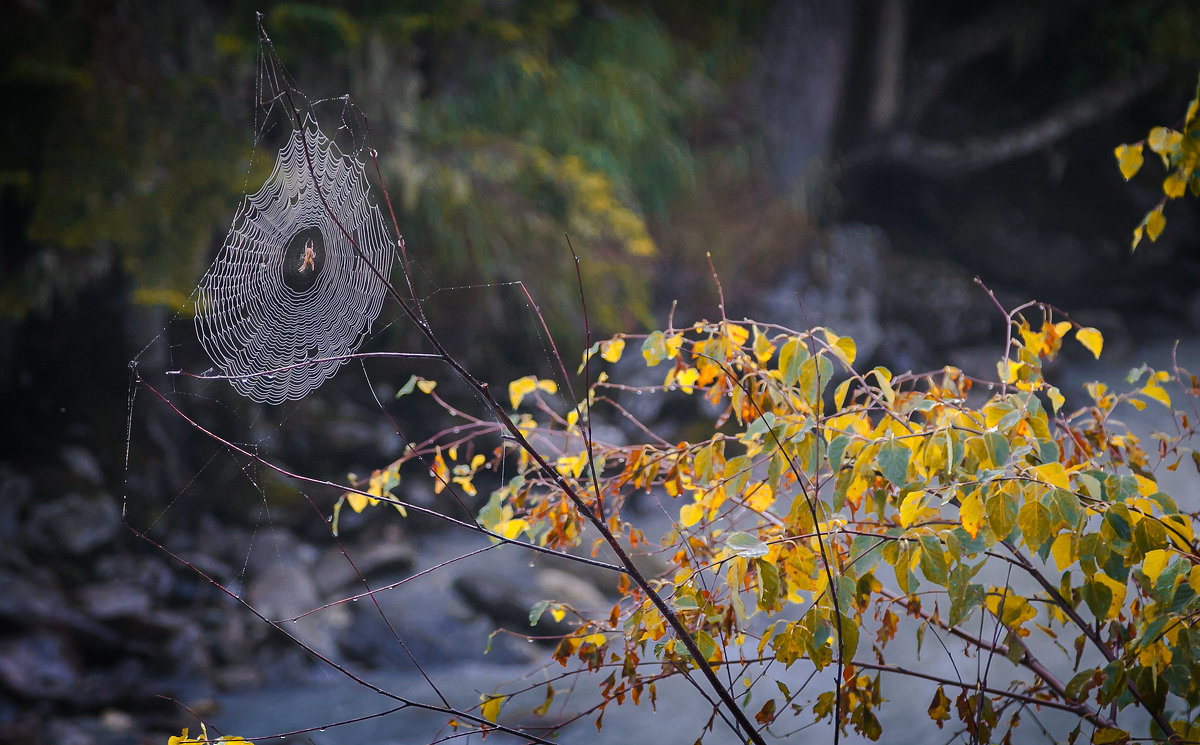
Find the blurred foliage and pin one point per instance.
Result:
(547, 119)
(501, 127)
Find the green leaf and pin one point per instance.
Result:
(408, 387)
(744, 544)
(1098, 597)
(815, 374)
(1117, 520)
(535, 613)
(1001, 511)
(768, 584)
(893, 462)
(760, 426)
(997, 447)
(933, 560)
(1109, 735)
(1078, 686)
(791, 356)
(837, 447)
(1034, 521)
(1112, 682)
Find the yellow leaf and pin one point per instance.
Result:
(763, 348)
(1155, 391)
(672, 344)
(687, 379)
(427, 386)
(1118, 593)
(1012, 610)
(520, 388)
(1155, 222)
(612, 349)
(1063, 550)
(736, 334)
(759, 497)
(1092, 339)
(490, 709)
(911, 507)
(357, 501)
(440, 472)
(1008, 370)
(1194, 579)
(558, 613)
(690, 514)
(510, 529)
(1175, 184)
(971, 514)
(572, 465)
(858, 487)
(595, 639)
(1163, 140)
(1053, 474)
(843, 346)
(1056, 398)
(1156, 656)
(1129, 159)
(839, 393)
(1154, 563)
(884, 376)
(1137, 236)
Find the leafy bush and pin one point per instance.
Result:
(827, 496)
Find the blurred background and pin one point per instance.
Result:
(846, 163)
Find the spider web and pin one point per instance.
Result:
(292, 295)
(301, 276)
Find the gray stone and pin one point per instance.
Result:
(41, 665)
(939, 300)
(283, 592)
(76, 524)
(82, 464)
(380, 562)
(838, 285)
(113, 600)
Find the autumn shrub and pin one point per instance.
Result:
(827, 496)
(828, 511)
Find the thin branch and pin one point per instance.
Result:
(946, 159)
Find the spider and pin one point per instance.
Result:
(310, 257)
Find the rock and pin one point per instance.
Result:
(41, 665)
(838, 284)
(564, 587)
(939, 300)
(114, 601)
(75, 524)
(379, 563)
(266, 548)
(33, 601)
(283, 592)
(69, 732)
(16, 491)
(507, 600)
(145, 572)
(82, 464)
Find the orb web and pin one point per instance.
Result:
(288, 297)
